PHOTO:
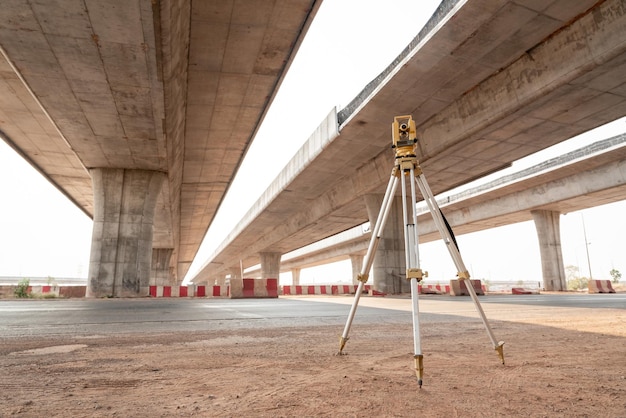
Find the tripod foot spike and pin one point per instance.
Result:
(419, 368)
(342, 344)
(500, 349)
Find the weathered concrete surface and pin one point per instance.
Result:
(389, 266)
(166, 85)
(549, 234)
(488, 82)
(270, 265)
(161, 274)
(121, 247)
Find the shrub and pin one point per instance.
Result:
(21, 290)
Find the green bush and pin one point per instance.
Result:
(21, 290)
(577, 283)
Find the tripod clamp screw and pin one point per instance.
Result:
(416, 274)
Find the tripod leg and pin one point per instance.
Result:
(413, 271)
(369, 256)
(456, 257)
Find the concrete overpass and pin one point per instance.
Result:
(591, 176)
(140, 112)
(488, 82)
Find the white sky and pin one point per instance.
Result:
(44, 234)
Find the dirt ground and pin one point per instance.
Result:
(562, 367)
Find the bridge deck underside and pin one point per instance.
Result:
(495, 83)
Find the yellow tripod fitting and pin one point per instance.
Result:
(416, 273)
(419, 368)
(500, 349)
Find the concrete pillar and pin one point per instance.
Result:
(549, 234)
(121, 243)
(270, 265)
(389, 268)
(161, 274)
(357, 264)
(235, 274)
(295, 276)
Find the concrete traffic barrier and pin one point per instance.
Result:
(333, 289)
(72, 291)
(458, 287)
(187, 291)
(253, 288)
(429, 289)
(46, 290)
(200, 291)
(600, 286)
(522, 291)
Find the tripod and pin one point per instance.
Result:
(407, 168)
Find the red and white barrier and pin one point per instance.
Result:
(523, 291)
(334, 289)
(600, 286)
(254, 288)
(433, 289)
(188, 291)
(459, 288)
(44, 290)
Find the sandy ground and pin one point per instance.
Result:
(561, 367)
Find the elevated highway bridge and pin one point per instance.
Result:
(591, 176)
(128, 107)
(487, 83)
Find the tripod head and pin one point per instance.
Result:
(403, 136)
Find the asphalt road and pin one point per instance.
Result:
(85, 317)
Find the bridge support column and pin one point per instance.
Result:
(295, 276)
(357, 264)
(121, 243)
(235, 274)
(389, 268)
(549, 234)
(160, 273)
(270, 265)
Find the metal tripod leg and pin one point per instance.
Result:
(456, 257)
(371, 250)
(413, 271)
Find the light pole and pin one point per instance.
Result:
(586, 247)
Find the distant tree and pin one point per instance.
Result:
(574, 281)
(615, 275)
(571, 272)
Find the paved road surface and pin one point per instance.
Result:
(38, 318)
